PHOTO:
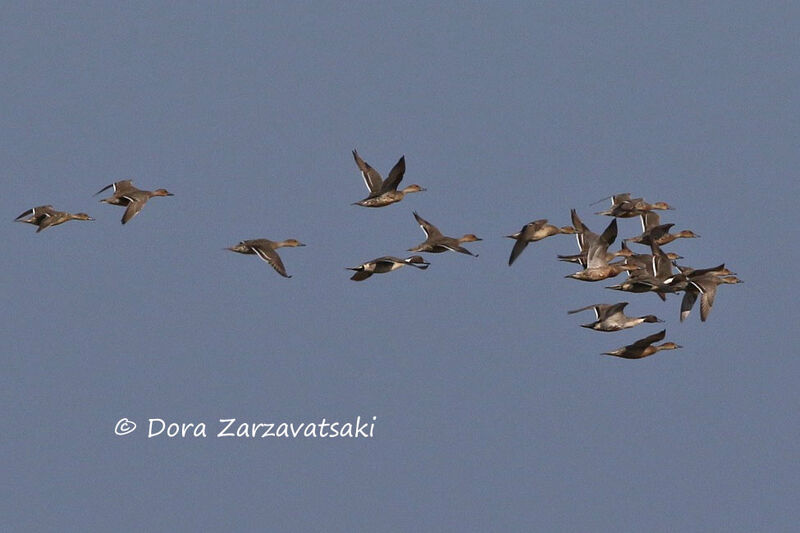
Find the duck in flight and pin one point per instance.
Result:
(623, 206)
(644, 347)
(532, 232)
(705, 286)
(610, 317)
(126, 195)
(265, 249)
(437, 243)
(45, 216)
(382, 193)
(653, 231)
(385, 264)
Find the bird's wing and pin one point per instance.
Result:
(620, 198)
(519, 246)
(662, 266)
(120, 187)
(40, 211)
(649, 220)
(659, 231)
(707, 300)
(689, 297)
(430, 230)
(647, 341)
(583, 235)
(135, 204)
(360, 275)
(596, 307)
(372, 178)
(271, 256)
(610, 234)
(613, 309)
(455, 247)
(395, 176)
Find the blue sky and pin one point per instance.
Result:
(494, 409)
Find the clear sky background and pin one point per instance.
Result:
(494, 409)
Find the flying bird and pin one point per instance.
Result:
(265, 249)
(385, 264)
(610, 317)
(44, 216)
(644, 347)
(437, 243)
(532, 232)
(126, 195)
(382, 193)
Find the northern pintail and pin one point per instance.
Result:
(644, 347)
(720, 270)
(385, 264)
(610, 317)
(532, 232)
(680, 281)
(640, 283)
(646, 258)
(583, 235)
(624, 251)
(600, 270)
(45, 216)
(265, 249)
(437, 243)
(654, 270)
(623, 206)
(704, 285)
(126, 195)
(654, 231)
(586, 237)
(597, 266)
(381, 192)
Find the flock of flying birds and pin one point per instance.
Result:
(655, 272)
